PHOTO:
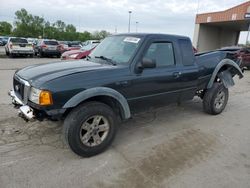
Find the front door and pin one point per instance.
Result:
(160, 85)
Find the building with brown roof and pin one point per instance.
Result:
(219, 29)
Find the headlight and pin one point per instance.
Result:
(40, 97)
(73, 55)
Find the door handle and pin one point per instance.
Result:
(176, 74)
(122, 83)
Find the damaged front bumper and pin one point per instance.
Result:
(25, 111)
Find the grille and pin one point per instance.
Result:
(21, 88)
(18, 88)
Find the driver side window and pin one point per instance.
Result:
(162, 53)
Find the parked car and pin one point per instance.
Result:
(3, 40)
(244, 55)
(125, 73)
(63, 45)
(69, 45)
(195, 50)
(31, 40)
(79, 54)
(241, 54)
(47, 47)
(18, 46)
(74, 45)
(87, 42)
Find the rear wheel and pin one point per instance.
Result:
(215, 99)
(90, 128)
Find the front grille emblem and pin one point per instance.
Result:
(17, 87)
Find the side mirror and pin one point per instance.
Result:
(148, 63)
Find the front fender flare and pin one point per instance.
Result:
(224, 62)
(100, 91)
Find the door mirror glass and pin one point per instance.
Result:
(148, 63)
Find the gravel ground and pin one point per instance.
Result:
(174, 146)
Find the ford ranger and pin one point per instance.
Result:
(125, 74)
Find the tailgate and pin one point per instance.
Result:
(22, 46)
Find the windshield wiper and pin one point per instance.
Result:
(88, 57)
(111, 61)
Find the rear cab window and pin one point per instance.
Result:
(186, 51)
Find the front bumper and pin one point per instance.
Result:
(24, 110)
(31, 111)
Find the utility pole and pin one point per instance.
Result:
(43, 26)
(198, 7)
(248, 34)
(129, 18)
(136, 26)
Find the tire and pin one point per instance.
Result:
(11, 55)
(215, 99)
(7, 53)
(40, 53)
(73, 128)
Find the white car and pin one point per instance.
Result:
(31, 40)
(88, 42)
(19, 46)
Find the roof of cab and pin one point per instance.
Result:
(153, 35)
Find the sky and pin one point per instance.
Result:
(157, 16)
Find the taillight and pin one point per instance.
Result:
(44, 46)
(60, 47)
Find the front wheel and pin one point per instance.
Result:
(90, 128)
(215, 99)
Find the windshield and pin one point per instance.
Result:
(18, 40)
(117, 48)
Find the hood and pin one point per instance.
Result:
(70, 52)
(46, 72)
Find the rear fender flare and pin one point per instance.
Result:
(230, 64)
(100, 91)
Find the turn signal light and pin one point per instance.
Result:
(45, 98)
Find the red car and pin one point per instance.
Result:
(242, 53)
(79, 54)
(67, 46)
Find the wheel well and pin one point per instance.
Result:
(110, 101)
(223, 68)
(231, 69)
